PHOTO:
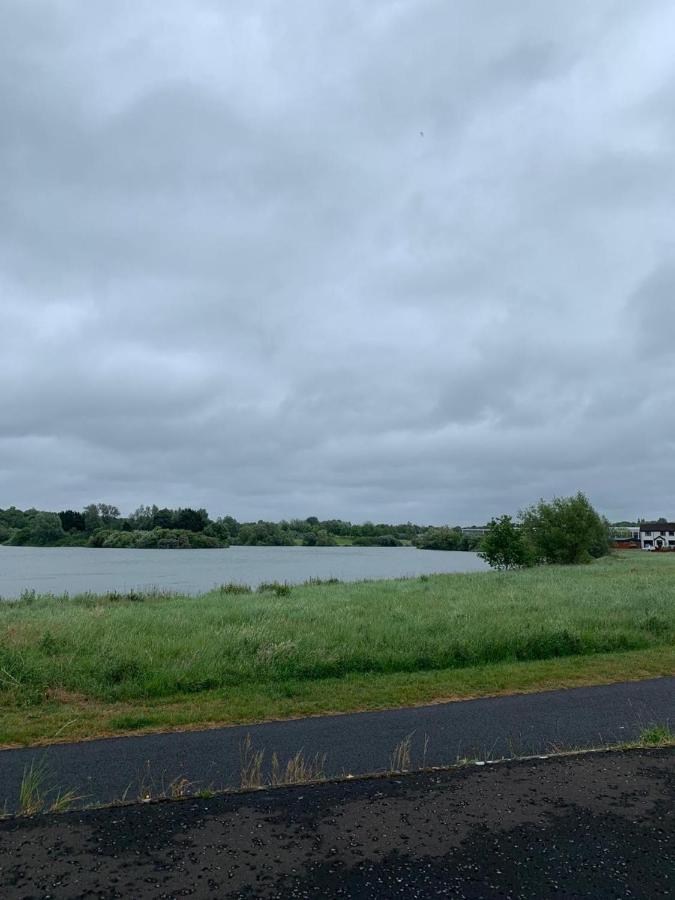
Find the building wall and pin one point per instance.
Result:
(649, 538)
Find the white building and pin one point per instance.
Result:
(657, 535)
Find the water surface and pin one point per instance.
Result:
(76, 570)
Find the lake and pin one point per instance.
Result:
(74, 570)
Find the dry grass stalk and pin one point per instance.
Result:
(251, 761)
(298, 770)
(401, 758)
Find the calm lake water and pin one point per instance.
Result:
(76, 570)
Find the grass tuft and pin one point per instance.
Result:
(281, 589)
(36, 796)
(31, 791)
(657, 736)
(250, 765)
(126, 597)
(298, 769)
(401, 757)
(63, 801)
(233, 587)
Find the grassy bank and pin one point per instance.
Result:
(89, 665)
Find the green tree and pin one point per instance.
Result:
(442, 538)
(142, 518)
(162, 518)
(323, 539)
(92, 519)
(567, 530)
(71, 520)
(46, 529)
(503, 545)
(191, 519)
(108, 513)
(219, 530)
(15, 518)
(21, 536)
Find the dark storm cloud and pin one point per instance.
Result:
(389, 260)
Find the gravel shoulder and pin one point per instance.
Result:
(592, 825)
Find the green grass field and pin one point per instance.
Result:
(88, 665)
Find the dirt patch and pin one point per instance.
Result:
(62, 695)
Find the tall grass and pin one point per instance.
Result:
(36, 795)
(117, 648)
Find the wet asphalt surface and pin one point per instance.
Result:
(598, 825)
(360, 743)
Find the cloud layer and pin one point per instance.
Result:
(396, 260)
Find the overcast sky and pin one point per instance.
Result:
(386, 260)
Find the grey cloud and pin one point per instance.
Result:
(652, 308)
(400, 260)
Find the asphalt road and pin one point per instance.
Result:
(599, 825)
(107, 770)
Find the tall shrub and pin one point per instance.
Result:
(565, 530)
(503, 545)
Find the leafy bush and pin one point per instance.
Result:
(567, 530)
(281, 589)
(46, 529)
(200, 541)
(129, 597)
(119, 539)
(382, 540)
(71, 520)
(264, 533)
(504, 546)
(442, 538)
(156, 539)
(233, 588)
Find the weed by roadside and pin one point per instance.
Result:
(657, 736)
(296, 770)
(250, 765)
(401, 757)
(37, 796)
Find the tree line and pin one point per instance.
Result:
(564, 530)
(102, 525)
